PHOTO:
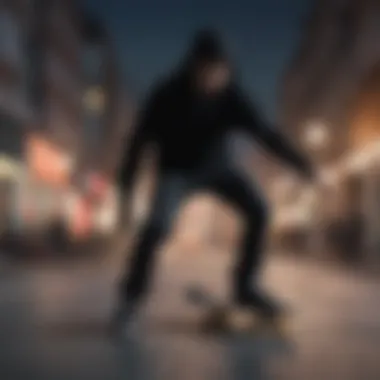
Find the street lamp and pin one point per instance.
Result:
(94, 99)
(316, 135)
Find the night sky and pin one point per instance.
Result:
(151, 35)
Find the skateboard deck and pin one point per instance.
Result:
(221, 317)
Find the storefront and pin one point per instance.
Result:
(364, 139)
(14, 110)
(77, 212)
(11, 164)
(37, 205)
(106, 215)
(46, 184)
(345, 219)
(10, 174)
(104, 200)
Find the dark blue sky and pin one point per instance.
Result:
(151, 35)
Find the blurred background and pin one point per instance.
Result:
(71, 80)
(64, 113)
(73, 73)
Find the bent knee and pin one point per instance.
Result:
(258, 213)
(156, 229)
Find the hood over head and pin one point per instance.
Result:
(206, 47)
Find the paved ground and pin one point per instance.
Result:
(52, 325)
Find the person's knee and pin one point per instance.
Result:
(156, 230)
(258, 214)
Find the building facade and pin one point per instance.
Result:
(338, 49)
(63, 81)
(328, 99)
(108, 115)
(55, 92)
(15, 110)
(16, 113)
(63, 109)
(108, 108)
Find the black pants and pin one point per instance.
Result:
(231, 185)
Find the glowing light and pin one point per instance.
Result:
(364, 158)
(48, 162)
(316, 134)
(8, 168)
(94, 99)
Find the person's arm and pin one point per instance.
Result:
(141, 135)
(246, 115)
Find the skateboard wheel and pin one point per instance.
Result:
(215, 320)
(278, 325)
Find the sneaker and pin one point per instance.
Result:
(261, 303)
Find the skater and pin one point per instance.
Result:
(188, 118)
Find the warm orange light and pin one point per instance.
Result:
(316, 134)
(47, 162)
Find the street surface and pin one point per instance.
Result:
(53, 322)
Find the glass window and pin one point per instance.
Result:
(11, 49)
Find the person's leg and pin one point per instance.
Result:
(169, 194)
(240, 191)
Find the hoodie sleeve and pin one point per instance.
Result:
(246, 115)
(142, 134)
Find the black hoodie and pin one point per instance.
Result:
(185, 127)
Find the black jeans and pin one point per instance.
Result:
(173, 186)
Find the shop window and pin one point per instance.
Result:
(11, 48)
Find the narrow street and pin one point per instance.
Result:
(53, 326)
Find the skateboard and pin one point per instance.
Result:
(221, 317)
